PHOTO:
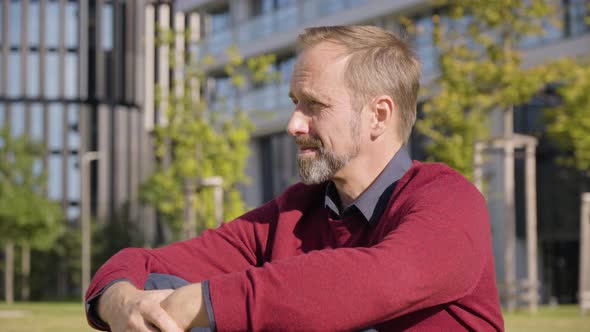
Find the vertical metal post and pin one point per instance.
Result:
(531, 227)
(509, 222)
(478, 166)
(9, 272)
(217, 183)
(584, 286)
(189, 209)
(85, 225)
(25, 272)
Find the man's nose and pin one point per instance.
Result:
(298, 124)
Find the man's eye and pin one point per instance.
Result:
(294, 101)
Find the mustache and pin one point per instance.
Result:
(308, 141)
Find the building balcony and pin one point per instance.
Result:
(270, 32)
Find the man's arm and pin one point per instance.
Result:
(232, 247)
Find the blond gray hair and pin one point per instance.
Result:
(379, 63)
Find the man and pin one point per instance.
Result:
(368, 240)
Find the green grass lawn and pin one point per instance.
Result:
(69, 317)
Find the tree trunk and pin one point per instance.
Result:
(9, 273)
(26, 272)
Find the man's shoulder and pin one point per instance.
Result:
(427, 178)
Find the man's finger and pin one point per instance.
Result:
(159, 294)
(161, 320)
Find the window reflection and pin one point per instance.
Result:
(73, 179)
(1, 22)
(52, 24)
(577, 12)
(54, 178)
(36, 122)
(33, 21)
(73, 129)
(17, 119)
(2, 116)
(14, 77)
(33, 74)
(56, 128)
(73, 212)
(107, 26)
(71, 75)
(286, 68)
(52, 75)
(71, 24)
(424, 43)
(14, 23)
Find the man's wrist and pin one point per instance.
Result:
(113, 298)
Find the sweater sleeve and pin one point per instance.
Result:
(234, 246)
(435, 255)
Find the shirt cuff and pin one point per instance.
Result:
(92, 306)
(208, 306)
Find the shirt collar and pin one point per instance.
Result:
(372, 202)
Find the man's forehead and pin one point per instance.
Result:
(323, 52)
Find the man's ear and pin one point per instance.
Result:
(383, 115)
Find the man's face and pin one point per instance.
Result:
(324, 123)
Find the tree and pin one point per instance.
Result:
(481, 72)
(197, 142)
(569, 122)
(481, 77)
(27, 218)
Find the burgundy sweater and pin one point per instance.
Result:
(426, 266)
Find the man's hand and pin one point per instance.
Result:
(187, 306)
(125, 308)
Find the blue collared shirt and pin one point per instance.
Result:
(373, 201)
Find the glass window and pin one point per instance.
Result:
(260, 7)
(33, 74)
(33, 21)
(107, 26)
(286, 68)
(13, 88)
(71, 24)
(577, 12)
(73, 128)
(14, 22)
(54, 188)
(73, 178)
(1, 66)
(220, 21)
(37, 166)
(2, 116)
(1, 22)
(71, 75)
(424, 43)
(56, 123)
(73, 212)
(36, 122)
(17, 119)
(52, 75)
(221, 87)
(52, 24)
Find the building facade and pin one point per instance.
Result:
(271, 26)
(78, 76)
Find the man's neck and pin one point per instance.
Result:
(352, 180)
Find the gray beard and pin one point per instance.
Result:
(323, 167)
